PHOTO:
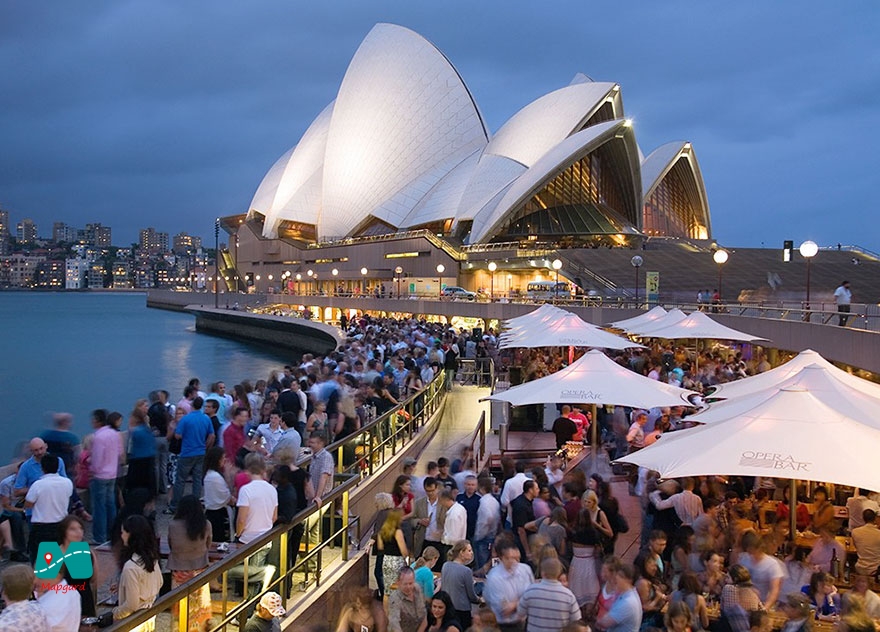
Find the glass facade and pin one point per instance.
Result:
(675, 207)
(592, 196)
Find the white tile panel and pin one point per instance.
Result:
(543, 123)
(305, 160)
(550, 164)
(491, 175)
(657, 164)
(265, 194)
(441, 202)
(401, 112)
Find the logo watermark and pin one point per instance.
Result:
(51, 559)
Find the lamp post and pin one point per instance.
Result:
(216, 262)
(808, 250)
(398, 271)
(637, 262)
(440, 269)
(335, 274)
(364, 280)
(509, 284)
(720, 257)
(557, 265)
(492, 267)
(299, 277)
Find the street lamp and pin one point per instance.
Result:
(557, 265)
(299, 277)
(492, 267)
(637, 262)
(720, 257)
(216, 262)
(440, 269)
(364, 281)
(398, 271)
(808, 250)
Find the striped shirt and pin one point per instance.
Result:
(549, 606)
(688, 506)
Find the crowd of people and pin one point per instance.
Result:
(223, 464)
(534, 551)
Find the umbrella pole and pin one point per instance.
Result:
(594, 431)
(792, 509)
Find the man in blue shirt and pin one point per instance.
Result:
(196, 434)
(31, 470)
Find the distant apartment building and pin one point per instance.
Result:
(50, 274)
(153, 242)
(26, 231)
(184, 244)
(19, 270)
(62, 232)
(76, 273)
(144, 277)
(97, 235)
(96, 275)
(121, 275)
(4, 232)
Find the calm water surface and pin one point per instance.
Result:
(77, 352)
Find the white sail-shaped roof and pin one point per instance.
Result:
(661, 161)
(403, 119)
(545, 122)
(404, 145)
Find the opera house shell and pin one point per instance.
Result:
(404, 146)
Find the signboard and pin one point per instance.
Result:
(652, 287)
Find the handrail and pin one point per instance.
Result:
(387, 431)
(478, 442)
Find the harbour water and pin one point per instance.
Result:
(77, 352)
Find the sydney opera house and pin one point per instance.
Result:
(401, 163)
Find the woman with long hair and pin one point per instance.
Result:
(651, 589)
(683, 546)
(457, 579)
(392, 546)
(442, 615)
(140, 578)
(555, 528)
(217, 494)
(141, 450)
(403, 496)
(241, 401)
(70, 530)
(189, 539)
(689, 594)
(586, 548)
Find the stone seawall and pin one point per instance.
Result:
(278, 331)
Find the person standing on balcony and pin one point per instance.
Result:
(843, 296)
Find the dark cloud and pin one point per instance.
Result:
(169, 113)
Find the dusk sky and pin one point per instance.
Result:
(168, 114)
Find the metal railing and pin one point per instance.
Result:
(478, 442)
(271, 560)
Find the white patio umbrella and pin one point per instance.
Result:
(698, 326)
(568, 330)
(823, 383)
(781, 374)
(544, 312)
(791, 435)
(672, 316)
(594, 378)
(641, 320)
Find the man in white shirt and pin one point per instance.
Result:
(455, 525)
(514, 486)
(688, 506)
(867, 541)
(843, 296)
(257, 502)
(505, 584)
(855, 508)
(488, 523)
(48, 498)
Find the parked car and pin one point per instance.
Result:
(458, 293)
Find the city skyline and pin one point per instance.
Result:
(128, 110)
